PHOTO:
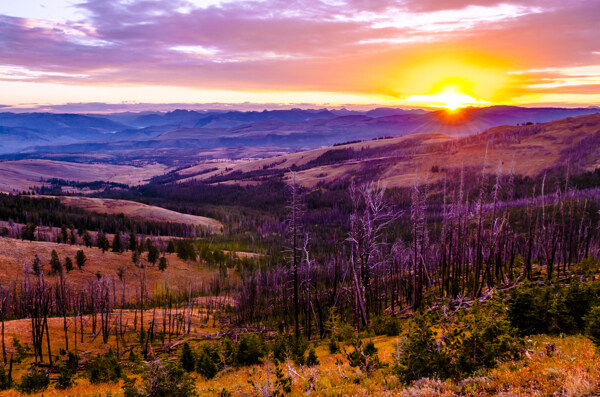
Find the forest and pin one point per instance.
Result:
(348, 281)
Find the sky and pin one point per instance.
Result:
(60, 53)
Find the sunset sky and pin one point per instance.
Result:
(328, 52)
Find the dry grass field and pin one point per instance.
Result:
(20, 175)
(140, 211)
(15, 254)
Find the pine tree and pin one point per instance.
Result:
(87, 239)
(102, 242)
(37, 265)
(133, 243)
(162, 264)
(55, 264)
(68, 264)
(170, 247)
(116, 244)
(80, 259)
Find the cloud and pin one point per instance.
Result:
(329, 45)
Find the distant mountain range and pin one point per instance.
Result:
(37, 135)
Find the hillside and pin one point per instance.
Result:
(526, 150)
(15, 254)
(139, 211)
(20, 175)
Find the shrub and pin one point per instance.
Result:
(287, 346)
(162, 264)
(187, 359)
(67, 370)
(250, 350)
(421, 355)
(592, 327)
(334, 346)
(104, 368)
(489, 339)
(163, 378)
(35, 381)
(312, 360)
(5, 379)
(209, 360)
(20, 349)
(364, 356)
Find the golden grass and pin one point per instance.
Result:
(22, 175)
(137, 210)
(14, 254)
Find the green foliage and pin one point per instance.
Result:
(20, 349)
(209, 360)
(6, 381)
(28, 232)
(104, 368)
(250, 350)
(364, 356)
(552, 309)
(592, 327)
(283, 384)
(311, 359)
(185, 250)
(163, 379)
(102, 242)
(153, 254)
(36, 266)
(87, 239)
(34, 381)
(162, 264)
(66, 371)
(68, 264)
(334, 345)
(287, 346)
(479, 339)
(389, 326)
(186, 358)
(421, 355)
(489, 338)
(117, 245)
(170, 247)
(133, 243)
(80, 259)
(55, 264)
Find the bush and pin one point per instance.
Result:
(104, 368)
(489, 339)
(312, 360)
(209, 360)
(187, 359)
(287, 346)
(5, 379)
(250, 350)
(421, 356)
(163, 378)
(35, 381)
(592, 327)
(66, 371)
(364, 356)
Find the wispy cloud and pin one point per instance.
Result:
(344, 46)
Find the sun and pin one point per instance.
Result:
(450, 98)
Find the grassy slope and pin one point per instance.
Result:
(15, 253)
(418, 153)
(137, 210)
(572, 370)
(21, 175)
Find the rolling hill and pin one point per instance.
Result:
(526, 150)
